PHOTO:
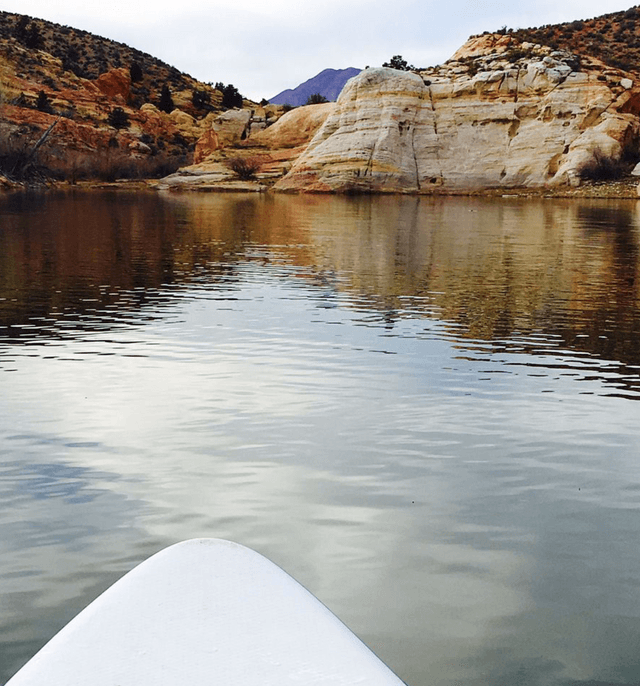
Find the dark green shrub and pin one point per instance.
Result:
(118, 118)
(396, 62)
(43, 103)
(135, 72)
(316, 99)
(28, 34)
(201, 99)
(166, 101)
(231, 97)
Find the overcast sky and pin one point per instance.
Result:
(265, 47)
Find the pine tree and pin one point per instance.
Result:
(135, 71)
(166, 101)
(42, 103)
(118, 118)
(231, 97)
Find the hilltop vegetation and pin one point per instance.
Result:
(110, 110)
(613, 38)
(88, 56)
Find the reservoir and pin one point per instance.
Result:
(426, 410)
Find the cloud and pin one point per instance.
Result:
(263, 48)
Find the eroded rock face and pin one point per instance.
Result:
(114, 83)
(295, 127)
(276, 147)
(498, 114)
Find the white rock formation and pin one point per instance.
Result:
(498, 114)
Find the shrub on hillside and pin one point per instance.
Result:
(396, 62)
(135, 72)
(245, 168)
(43, 104)
(601, 167)
(118, 118)
(28, 34)
(231, 97)
(166, 101)
(316, 99)
(201, 99)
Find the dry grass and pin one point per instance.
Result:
(17, 163)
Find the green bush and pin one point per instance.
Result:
(118, 118)
(135, 72)
(316, 99)
(43, 104)
(396, 62)
(166, 101)
(28, 34)
(201, 99)
(231, 97)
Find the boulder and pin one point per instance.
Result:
(294, 128)
(207, 143)
(182, 120)
(232, 126)
(116, 82)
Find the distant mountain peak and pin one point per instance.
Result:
(329, 82)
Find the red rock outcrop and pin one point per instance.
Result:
(114, 83)
(207, 143)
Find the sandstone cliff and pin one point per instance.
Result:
(273, 148)
(498, 114)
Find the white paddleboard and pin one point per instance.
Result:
(209, 612)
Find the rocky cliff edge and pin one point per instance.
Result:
(498, 114)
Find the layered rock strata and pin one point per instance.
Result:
(274, 149)
(498, 114)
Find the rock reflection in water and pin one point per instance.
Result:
(404, 401)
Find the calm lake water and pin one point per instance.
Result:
(426, 410)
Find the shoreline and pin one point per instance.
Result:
(627, 188)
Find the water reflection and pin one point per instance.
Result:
(530, 277)
(422, 408)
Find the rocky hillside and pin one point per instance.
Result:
(327, 83)
(543, 108)
(88, 56)
(498, 114)
(533, 109)
(613, 38)
(74, 105)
